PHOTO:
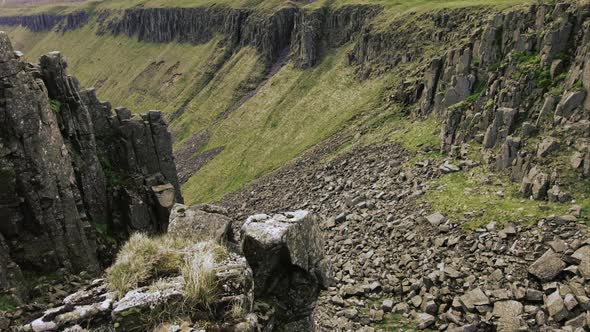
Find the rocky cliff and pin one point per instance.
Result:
(73, 173)
(518, 87)
(47, 22)
(305, 32)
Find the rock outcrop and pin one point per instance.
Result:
(274, 285)
(47, 22)
(73, 171)
(286, 254)
(200, 222)
(96, 306)
(526, 89)
(42, 224)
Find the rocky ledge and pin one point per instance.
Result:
(274, 284)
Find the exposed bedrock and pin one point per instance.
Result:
(518, 87)
(307, 33)
(42, 224)
(71, 170)
(317, 30)
(273, 286)
(47, 22)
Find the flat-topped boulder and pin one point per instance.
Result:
(200, 224)
(284, 248)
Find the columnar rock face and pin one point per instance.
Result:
(315, 31)
(71, 168)
(520, 82)
(46, 22)
(305, 33)
(43, 223)
(162, 25)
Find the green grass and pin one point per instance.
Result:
(474, 192)
(123, 70)
(55, 105)
(8, 303)
(225, 89)
(143, 260)
(392, 126)
(295, 110)
(414, 135)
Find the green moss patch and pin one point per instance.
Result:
(477, 197)
(8, 303)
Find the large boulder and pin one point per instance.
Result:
(547, 267)
(569, 102)
(198, 224)
(286, 254)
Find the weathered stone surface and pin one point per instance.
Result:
(547, 146)
(547, 267)
(569, 102)
(535, 184)
(509, 152)
(286, 254)
(57, 186)
(425, 320)
(508, 313)
(473, 298)
(555, 306)
(90, 304)
(197, 224)
(582, 254)
(435, 219)
(130, 313)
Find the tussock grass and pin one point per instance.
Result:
(143, 260)
(198, 271)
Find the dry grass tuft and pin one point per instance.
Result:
(198, 271)
(143, 260)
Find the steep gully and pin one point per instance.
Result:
(480, 88)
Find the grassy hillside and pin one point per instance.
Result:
(140, 76)
(294, 110)
(392, 8)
